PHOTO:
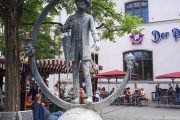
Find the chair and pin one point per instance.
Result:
(162, 98)
(7, 115)
(143, 101)
(25, 115)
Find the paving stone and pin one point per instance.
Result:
(124, 112)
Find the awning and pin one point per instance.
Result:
(45, 66)
(111, 74)
(48, 66)
(53, 66)
(172, 75)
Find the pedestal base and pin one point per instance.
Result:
(80, 114)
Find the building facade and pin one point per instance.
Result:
(155, 48)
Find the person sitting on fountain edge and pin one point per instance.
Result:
(40, 112)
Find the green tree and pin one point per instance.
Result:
(15, 14)
(44, 40)
(10, 13)
(112, 22)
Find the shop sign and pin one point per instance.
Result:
(157, 36)
(176, 33)
(136, 38)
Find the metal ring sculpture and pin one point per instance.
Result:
(29, 46)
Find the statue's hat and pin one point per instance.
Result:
(87, 1)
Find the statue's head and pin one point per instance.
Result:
(82, 4)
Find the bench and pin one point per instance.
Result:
(7, 115)
(25, 115)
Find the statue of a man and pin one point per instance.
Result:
(80, 24)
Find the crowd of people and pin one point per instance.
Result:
(130, 96)
(101, 93)
(133, 96)
(171, 92)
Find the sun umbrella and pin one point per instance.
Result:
(113, 73)
(171, 76)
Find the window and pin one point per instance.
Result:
(138, 8)
(94, 57)
(144, 65)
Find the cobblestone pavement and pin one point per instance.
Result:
(123, 112)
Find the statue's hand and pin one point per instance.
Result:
(97, 46)
(73, 23)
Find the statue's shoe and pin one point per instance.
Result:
(75, 101)
(89, 100)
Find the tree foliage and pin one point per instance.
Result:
(31, 10)
(45, 39)
(112, 23)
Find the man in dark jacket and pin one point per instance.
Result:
(40, 112)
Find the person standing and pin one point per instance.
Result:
(113, 89)
(177, 94)
(33, 91)
(170, 90)
(80, 24)
(157, 92)
(56, 90)
(97, 95)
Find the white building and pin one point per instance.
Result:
(157, 53)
